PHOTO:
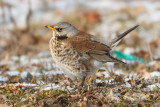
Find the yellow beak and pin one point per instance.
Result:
(50, 27)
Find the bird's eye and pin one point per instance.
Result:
(59, 29)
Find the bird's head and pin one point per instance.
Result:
(63, 29)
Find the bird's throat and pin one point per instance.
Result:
(61, 37)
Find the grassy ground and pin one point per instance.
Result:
(116, 90)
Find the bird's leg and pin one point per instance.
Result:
(83, 80)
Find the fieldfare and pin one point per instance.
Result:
(78, 53)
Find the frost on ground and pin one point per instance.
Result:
(38, 79)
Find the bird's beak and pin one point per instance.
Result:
(50, 27)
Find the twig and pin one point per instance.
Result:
(150, 52)
(29, 14)
(11, 17)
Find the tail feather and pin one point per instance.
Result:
(106, 58)
(117, 60)
(119, 37)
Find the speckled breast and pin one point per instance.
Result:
(66, 57)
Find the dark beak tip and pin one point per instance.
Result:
(46, 26)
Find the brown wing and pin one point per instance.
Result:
(86, 44)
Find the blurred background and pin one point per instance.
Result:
(24, 39)
(22, 23)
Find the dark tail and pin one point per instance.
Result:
(119, 37)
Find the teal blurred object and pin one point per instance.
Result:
(121, 55)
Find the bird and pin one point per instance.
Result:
(79, 54)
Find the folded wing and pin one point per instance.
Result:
(86, 44)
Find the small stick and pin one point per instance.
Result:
(150, 52)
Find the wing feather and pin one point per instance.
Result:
(87, 44)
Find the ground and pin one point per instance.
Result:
(36, 83)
